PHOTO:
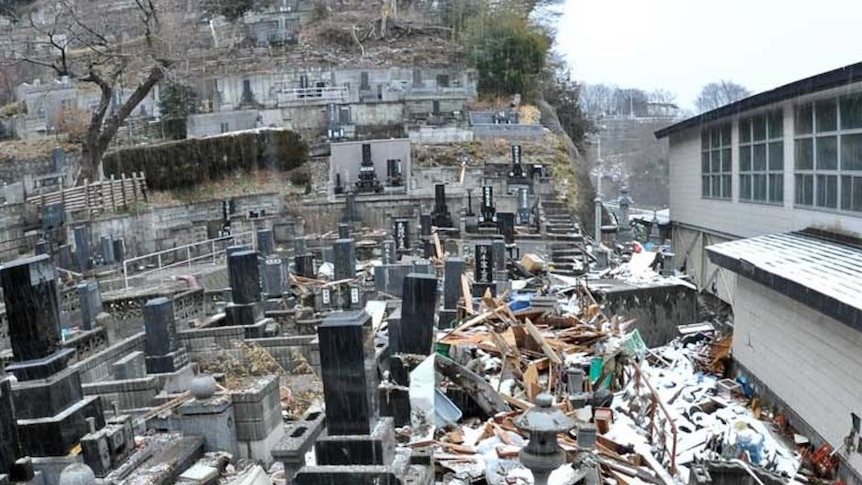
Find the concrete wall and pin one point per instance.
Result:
(430, 135)
(207, 124)
(346, 158)
(811, 362)
(509, 132)
(658, 310)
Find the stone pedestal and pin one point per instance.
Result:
(214, 420)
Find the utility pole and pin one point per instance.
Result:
(598, 199)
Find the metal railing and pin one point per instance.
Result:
(209, 250)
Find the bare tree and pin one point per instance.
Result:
(598, 99)
(717, 94)
(662, 96)
(91, 49)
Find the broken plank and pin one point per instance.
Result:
(537, 336)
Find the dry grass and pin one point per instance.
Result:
(12, 150)
(258, 182)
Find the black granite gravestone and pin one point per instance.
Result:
(91, 303)
(350, 207)
(506, 226)
(82, 248)
(348, 373)
(487, 209)
(453, 270)
(266, 242)
(417, 314)
(65, 257)
(425, 225)
(499, 249)
(54, 222)
(389, 252)
(524, 211)
(484, 275)
(244, 274)
(8, 429)
(119, 249)
(402, 234)
(32, 307)
(345, 259)
(304, 266)
(160, 326)
(441, 217)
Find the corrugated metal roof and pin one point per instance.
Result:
(823, 274)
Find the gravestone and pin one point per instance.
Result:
(402, 235)
(273, 277)
(106, 243)
(524, 212)
(82, 248)
(441, 216)
(350, 207)
(65, 257)
(424, 225)
(8, 428)
(32, 307)
(348, 371)
(119, 249)
(419, 300)
(343, 231)
(162, 351)
(266, 242)
(345, 259)
(389, 278)
(54, 222)
(48, 400)
(244, 274)
(91, 303)
(487, 209)
(453, 270)
(506, 226)
(484, 275)
(58, 159)
(499, 249)
(390, 256)
(304, 266)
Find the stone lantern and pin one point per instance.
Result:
(542, 455)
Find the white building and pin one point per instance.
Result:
(745, 180)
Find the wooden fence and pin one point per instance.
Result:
(96, 197)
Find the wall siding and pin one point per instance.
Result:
(811, 362)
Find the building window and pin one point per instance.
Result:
(715, 165)
(828, 153)
(761, 158)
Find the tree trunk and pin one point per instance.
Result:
(90, 158)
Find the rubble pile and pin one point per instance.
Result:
(639, 415)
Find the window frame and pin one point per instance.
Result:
(750, 143)
(716, 145)
(817, 179)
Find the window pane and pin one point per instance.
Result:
(826, 116)
(759, 185)
(758, 157)
(804, 187)
(857, 194)
(704, 162)
(704, 139)
(726, 182)
(827, 191)
(846, 192)
(851, 152)
(745, 159)
(715, 163)
(804, 154)
(759, 124)
(715, 182)
(827, 153)
(851, 111)
(776, 188)
(802, 119)
(725, 134)
(745, 187)
(776, 156)
(726, 159)
(714, 137)
(744, 131)
(704, 190)
(775, 122)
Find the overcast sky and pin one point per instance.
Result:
(680, 45)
